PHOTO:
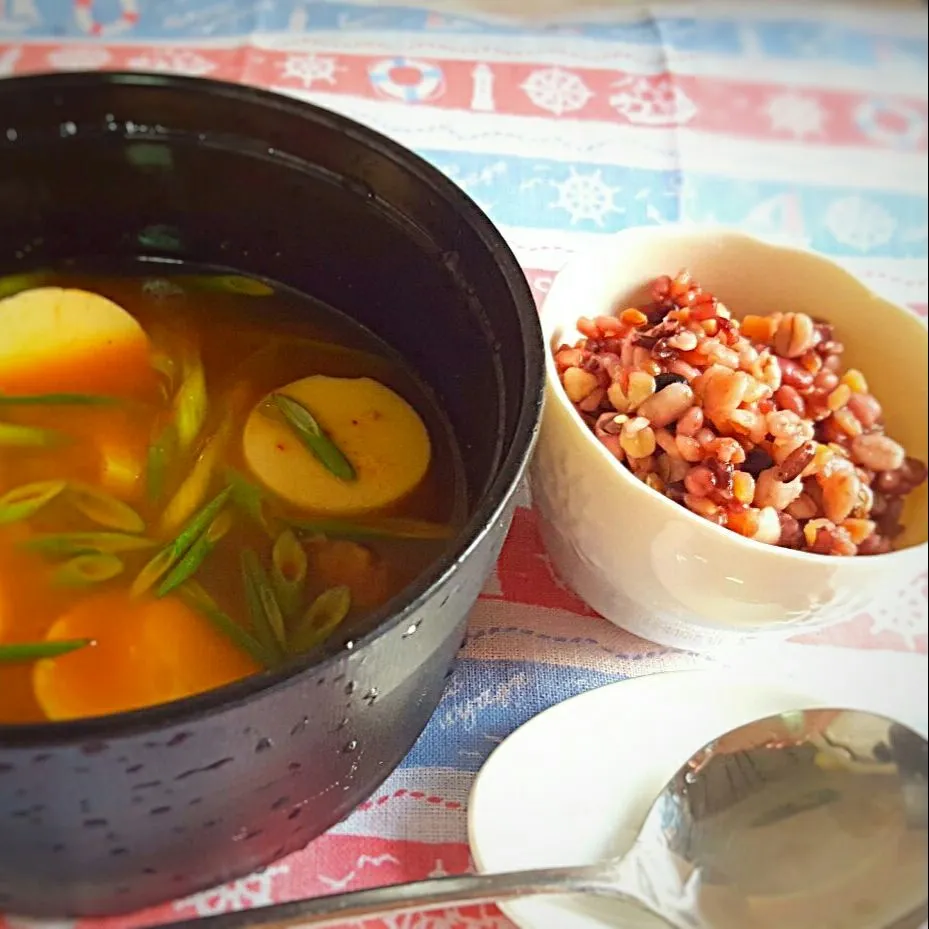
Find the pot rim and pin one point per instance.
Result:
(510, 466)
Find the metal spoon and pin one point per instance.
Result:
(813, 819)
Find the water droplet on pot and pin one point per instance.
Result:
(349, 645)
(371, 696)
(300, 726)
(350, 746)
(240, 834)
(411, 630)
(263, 745)
(691, 777)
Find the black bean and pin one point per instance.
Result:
(656, 312)
(648, 338)
(663, 380)
(721, 473)
(756, 461)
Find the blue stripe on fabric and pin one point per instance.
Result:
(793, 40)
(546, 194)
(485, 701)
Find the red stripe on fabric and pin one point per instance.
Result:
(711, 105)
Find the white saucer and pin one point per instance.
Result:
(573, 785)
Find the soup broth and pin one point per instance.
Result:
(201, 476)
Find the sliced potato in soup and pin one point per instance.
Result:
(63, 339)
(379, 433)
(145, 651)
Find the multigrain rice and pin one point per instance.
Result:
(753, 425)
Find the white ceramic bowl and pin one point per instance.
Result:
(649, 564)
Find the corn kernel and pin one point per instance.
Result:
(821, 457)
(847, 422)
(743, 487)
(633, 317)
(839, 397)
(855, 380)
(758, 328)
(745, 522)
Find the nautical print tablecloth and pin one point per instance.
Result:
(805, 122)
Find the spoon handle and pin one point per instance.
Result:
(458, 890)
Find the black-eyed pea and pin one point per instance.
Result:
(667, 405)
(877, 452)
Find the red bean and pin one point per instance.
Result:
(793, 375)
(866, 409)
(788, 398)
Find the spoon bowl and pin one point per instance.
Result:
(813, 819)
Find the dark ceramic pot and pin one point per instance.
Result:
(118, 813)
